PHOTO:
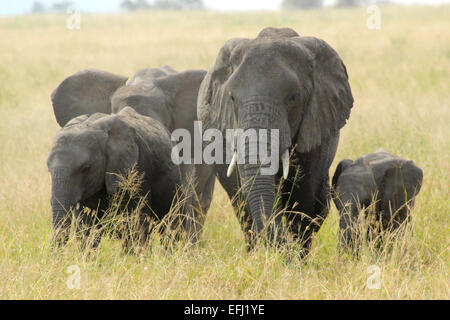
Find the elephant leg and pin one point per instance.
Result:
(204, 198)
(321, 210)
(306, 192)
(201, 181)
(205, 188)
(305, 199)
(233, 188)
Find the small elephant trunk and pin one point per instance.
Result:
(62, 202)
(61, 222)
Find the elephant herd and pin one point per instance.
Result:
(291, 87)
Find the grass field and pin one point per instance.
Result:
(400, 81)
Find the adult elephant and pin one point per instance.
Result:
(163, 94)
(298, 85)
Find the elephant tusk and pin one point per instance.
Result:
(232, 165)
(77, 206)
(285, 163)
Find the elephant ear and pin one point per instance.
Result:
(399, 185)
(181, 91)
(331, 98)
(122, 151)
(147, 76)
(214, 106)
(85, 92)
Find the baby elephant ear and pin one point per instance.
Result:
(85, 92)
(331, 98)
(400, 185)
(122, 151)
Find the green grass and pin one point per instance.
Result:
(400, 81)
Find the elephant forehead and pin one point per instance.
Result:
(81, 136)
(142, 89)
(141, 98)
(67, 155)
(277, 33)
(269, 69)
(264, 49)
(146, 76)
(379, 156)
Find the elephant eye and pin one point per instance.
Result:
(293, 99)
(85, 168)
(232, 98)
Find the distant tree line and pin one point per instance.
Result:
(352, 3)
(127, 5)
(133, 5)
(57, 7)
(312, 4)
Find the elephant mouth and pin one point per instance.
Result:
(284, 163)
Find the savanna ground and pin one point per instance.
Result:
(400, 81)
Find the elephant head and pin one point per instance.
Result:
(279, 80)
(83, 152)
(160, 93)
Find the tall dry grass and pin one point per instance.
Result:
(400, 80)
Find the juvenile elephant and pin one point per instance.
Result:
(298, 86)
(163, 94)
(380, 178)
(88, 155)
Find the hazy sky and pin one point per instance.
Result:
(24, 6)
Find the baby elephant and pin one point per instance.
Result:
(387, 181)
(87, 158)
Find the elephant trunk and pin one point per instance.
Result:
(258, 176)
(61, 224)
(260, 193)
(62, 202)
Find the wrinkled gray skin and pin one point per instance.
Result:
(163, 94)
(297, 85)
(89, 153)
(389, 181)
